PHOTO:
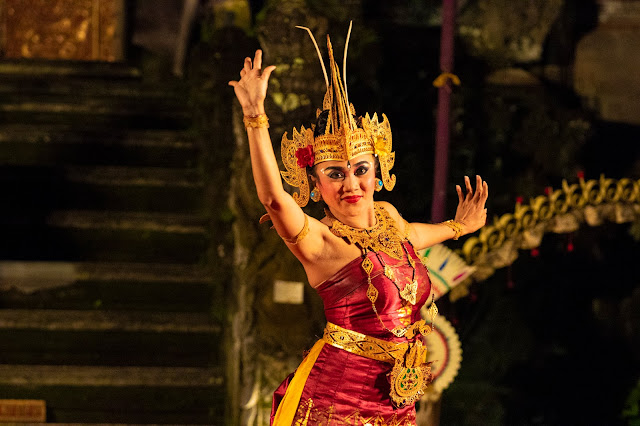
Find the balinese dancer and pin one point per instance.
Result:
(370, 366)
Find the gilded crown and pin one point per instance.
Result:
(344, 136)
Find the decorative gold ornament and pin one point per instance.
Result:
(408, 383)
(296, 176)
(315, 194)
(363, 345)
(256, 121)
(383, 236)
(344, 137)
(410, 292)
(411, 373)
(303, 233)
(456, 226)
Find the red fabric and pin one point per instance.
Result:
(344, 385)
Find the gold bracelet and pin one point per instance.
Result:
(456, 226)
(301, 234)
(256, 121)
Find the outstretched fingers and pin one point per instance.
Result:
(266, 73)
(485, 193)
(257, 60)
(467, 184)
(479, 187)
(247, 65)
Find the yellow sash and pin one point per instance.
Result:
(289, 404)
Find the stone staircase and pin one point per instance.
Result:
(105, 300)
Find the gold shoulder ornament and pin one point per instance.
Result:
(296, 175)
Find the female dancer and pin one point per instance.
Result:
(370, 366)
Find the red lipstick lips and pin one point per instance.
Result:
(352, 199)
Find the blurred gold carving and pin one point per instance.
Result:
(84, 30)
(560, 211)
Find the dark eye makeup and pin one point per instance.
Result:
(362, 170)
(338, 173)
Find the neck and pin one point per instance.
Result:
(366, 218)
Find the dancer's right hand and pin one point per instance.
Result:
(251, 90)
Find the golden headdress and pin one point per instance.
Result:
(344, 137)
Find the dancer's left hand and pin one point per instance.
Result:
(471, 212)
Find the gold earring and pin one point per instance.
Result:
(378, 185)
(315, 194)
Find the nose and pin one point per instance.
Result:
(350, 182)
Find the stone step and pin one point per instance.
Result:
(109, 348)
(127, 321)
(83, 79)
(100, 394)
(55, 145)
(47, 90)
(77, 235)
(101, 188)
(122, 115)
(108, 286)
(129, 338)
(149, 222)
(41, 68)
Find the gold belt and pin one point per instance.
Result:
(363, 345)
(374, 348)
(411, 372)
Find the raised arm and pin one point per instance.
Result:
(287, 217)
(471, 215)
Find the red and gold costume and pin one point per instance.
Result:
(370, 366)
(348, 376)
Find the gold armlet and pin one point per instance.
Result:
(256, 121)
(301, 234)
(456, 226)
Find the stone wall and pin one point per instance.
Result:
(607, 60)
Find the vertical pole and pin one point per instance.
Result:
(441, 158)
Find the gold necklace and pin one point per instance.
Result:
(382, 237)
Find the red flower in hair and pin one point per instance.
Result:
(305, 156)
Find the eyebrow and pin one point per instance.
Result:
(359, 163)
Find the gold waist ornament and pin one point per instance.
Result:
(411, 373)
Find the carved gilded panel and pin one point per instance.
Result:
(84, 30)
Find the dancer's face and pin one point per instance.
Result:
(347, 186)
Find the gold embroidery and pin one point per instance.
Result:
(305, 421)
(326, 417)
